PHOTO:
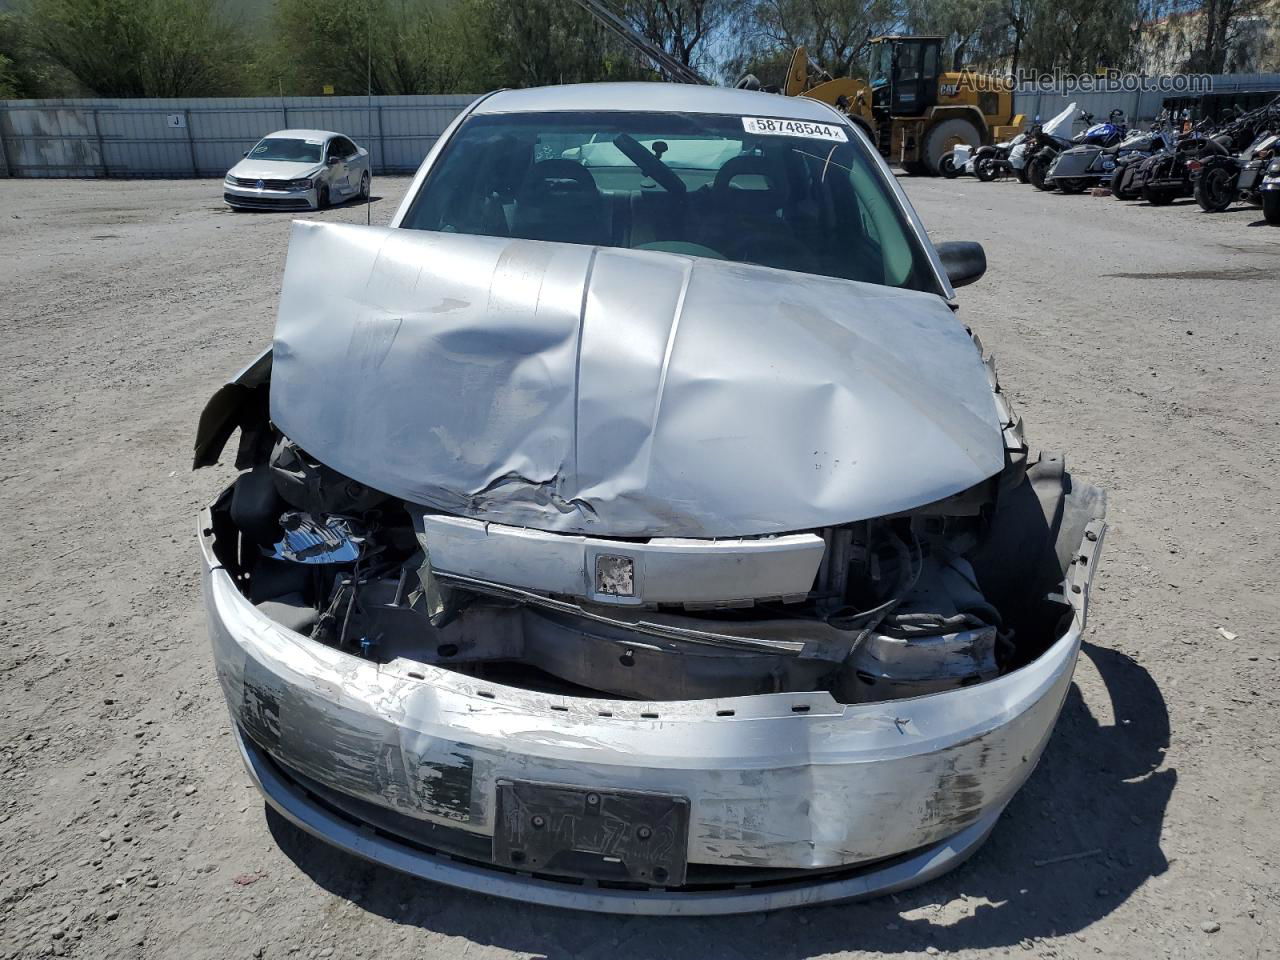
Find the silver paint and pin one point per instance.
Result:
(837, 784)
(661, 570)
(613, 392)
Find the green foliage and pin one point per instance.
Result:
(395, 46)
(834, 33)
(686, 29)
(143, 48)
(153, 48)
(550, 41)
(24, 71)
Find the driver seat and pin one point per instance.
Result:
(558, 200)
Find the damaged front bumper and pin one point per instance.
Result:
(783, 799)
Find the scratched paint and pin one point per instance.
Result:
(838, 785)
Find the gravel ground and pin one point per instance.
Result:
(1141, 341)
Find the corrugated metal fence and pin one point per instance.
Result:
(1139, 107)
(205, 137)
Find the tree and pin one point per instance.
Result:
(683, 28)
(25, 71)
(393, 46)
(143, 48)
(833, 32)
(975, 32)
(539, 42)
(1224, 35)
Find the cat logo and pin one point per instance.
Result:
(949, 89)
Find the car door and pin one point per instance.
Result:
(336, 167)
(356, 164)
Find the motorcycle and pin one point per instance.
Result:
(1269, 193)
(1090, 162)
(995, 160)
(1132, 152)
(957, 161)
(1043, 143)
(1165, 176)
(1219, 181)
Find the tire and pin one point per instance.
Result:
(1158, 198)
(1072, 185)
(941, 137)
(1213, 190)
(1036, 171)
(365, 184)
(322, 196)
(985, 169)
(1271, 207)
(914, 168)
(947, 167)
(1117, 178)
(1021, 174)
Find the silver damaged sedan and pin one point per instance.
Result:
(633, 526)
(298, 170)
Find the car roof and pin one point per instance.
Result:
(655, 98)
(306, 134)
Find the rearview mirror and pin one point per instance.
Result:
(964, 261)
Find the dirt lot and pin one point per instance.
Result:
(1142, 341)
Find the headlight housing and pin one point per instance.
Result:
(229, 180)
(303, 184)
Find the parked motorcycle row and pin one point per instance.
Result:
(1234, 161)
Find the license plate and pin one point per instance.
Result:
(626, 835)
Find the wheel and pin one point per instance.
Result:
(943, 137)
(947, 167)
(1117, 178)
(322, 196)
(984, 168)
(1158, 198)
(1036, 173)
(915, 168)
(365, 181)
(1271, 207)
(1021, 173)
(1214, 189)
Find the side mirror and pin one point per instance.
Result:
(330, 161)
(964, 261)
(245, 154)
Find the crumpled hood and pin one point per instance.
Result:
(619, 392)
(252, 169)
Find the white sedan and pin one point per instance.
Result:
(298, 170)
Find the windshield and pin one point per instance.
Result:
(282, 148)
(881, 63)
(795, 195)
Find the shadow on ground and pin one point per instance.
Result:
(1097, 788)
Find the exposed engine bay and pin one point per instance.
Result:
(473, 468)
(620, 576)
(954, 593)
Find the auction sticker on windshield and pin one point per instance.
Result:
(794, 128)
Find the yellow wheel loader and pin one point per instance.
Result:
(912, 111)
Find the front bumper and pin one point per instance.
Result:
(794, 798)
(251, 198)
